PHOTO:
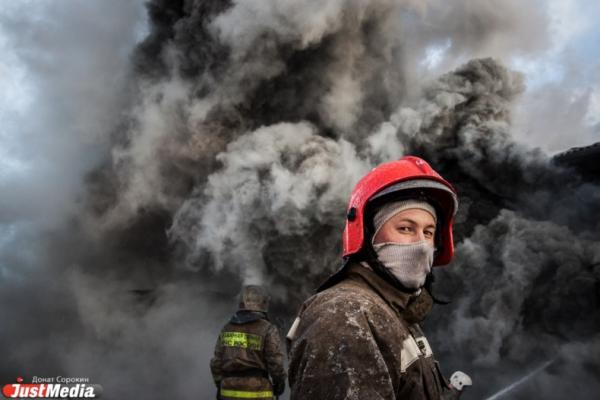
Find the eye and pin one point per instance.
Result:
(404, 229)
(429, 233)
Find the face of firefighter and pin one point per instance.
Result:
(408, 226)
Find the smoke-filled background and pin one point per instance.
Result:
(154, 157)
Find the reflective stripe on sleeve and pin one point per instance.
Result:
(242, 340)
(413, 349)
(291, 335)
(242, 394)
(409, 354)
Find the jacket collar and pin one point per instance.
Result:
(245, 316)
(413, 308)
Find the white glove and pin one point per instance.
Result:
(459, 380)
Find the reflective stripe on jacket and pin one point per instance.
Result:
(244, 394)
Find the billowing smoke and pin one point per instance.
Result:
(226, 155)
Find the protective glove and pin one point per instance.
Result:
(458, 382)
(451, 393)
(279, 388)
(218, 390)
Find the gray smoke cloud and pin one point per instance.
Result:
(275, 185)
(222, 148)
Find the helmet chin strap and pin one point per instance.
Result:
(429, 287)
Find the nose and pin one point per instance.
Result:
(420, 236)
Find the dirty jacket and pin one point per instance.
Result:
(248, 351)
(360, 339)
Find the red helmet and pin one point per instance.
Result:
(411, 176)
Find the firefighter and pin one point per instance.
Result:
(359, 336)
(249, 350)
